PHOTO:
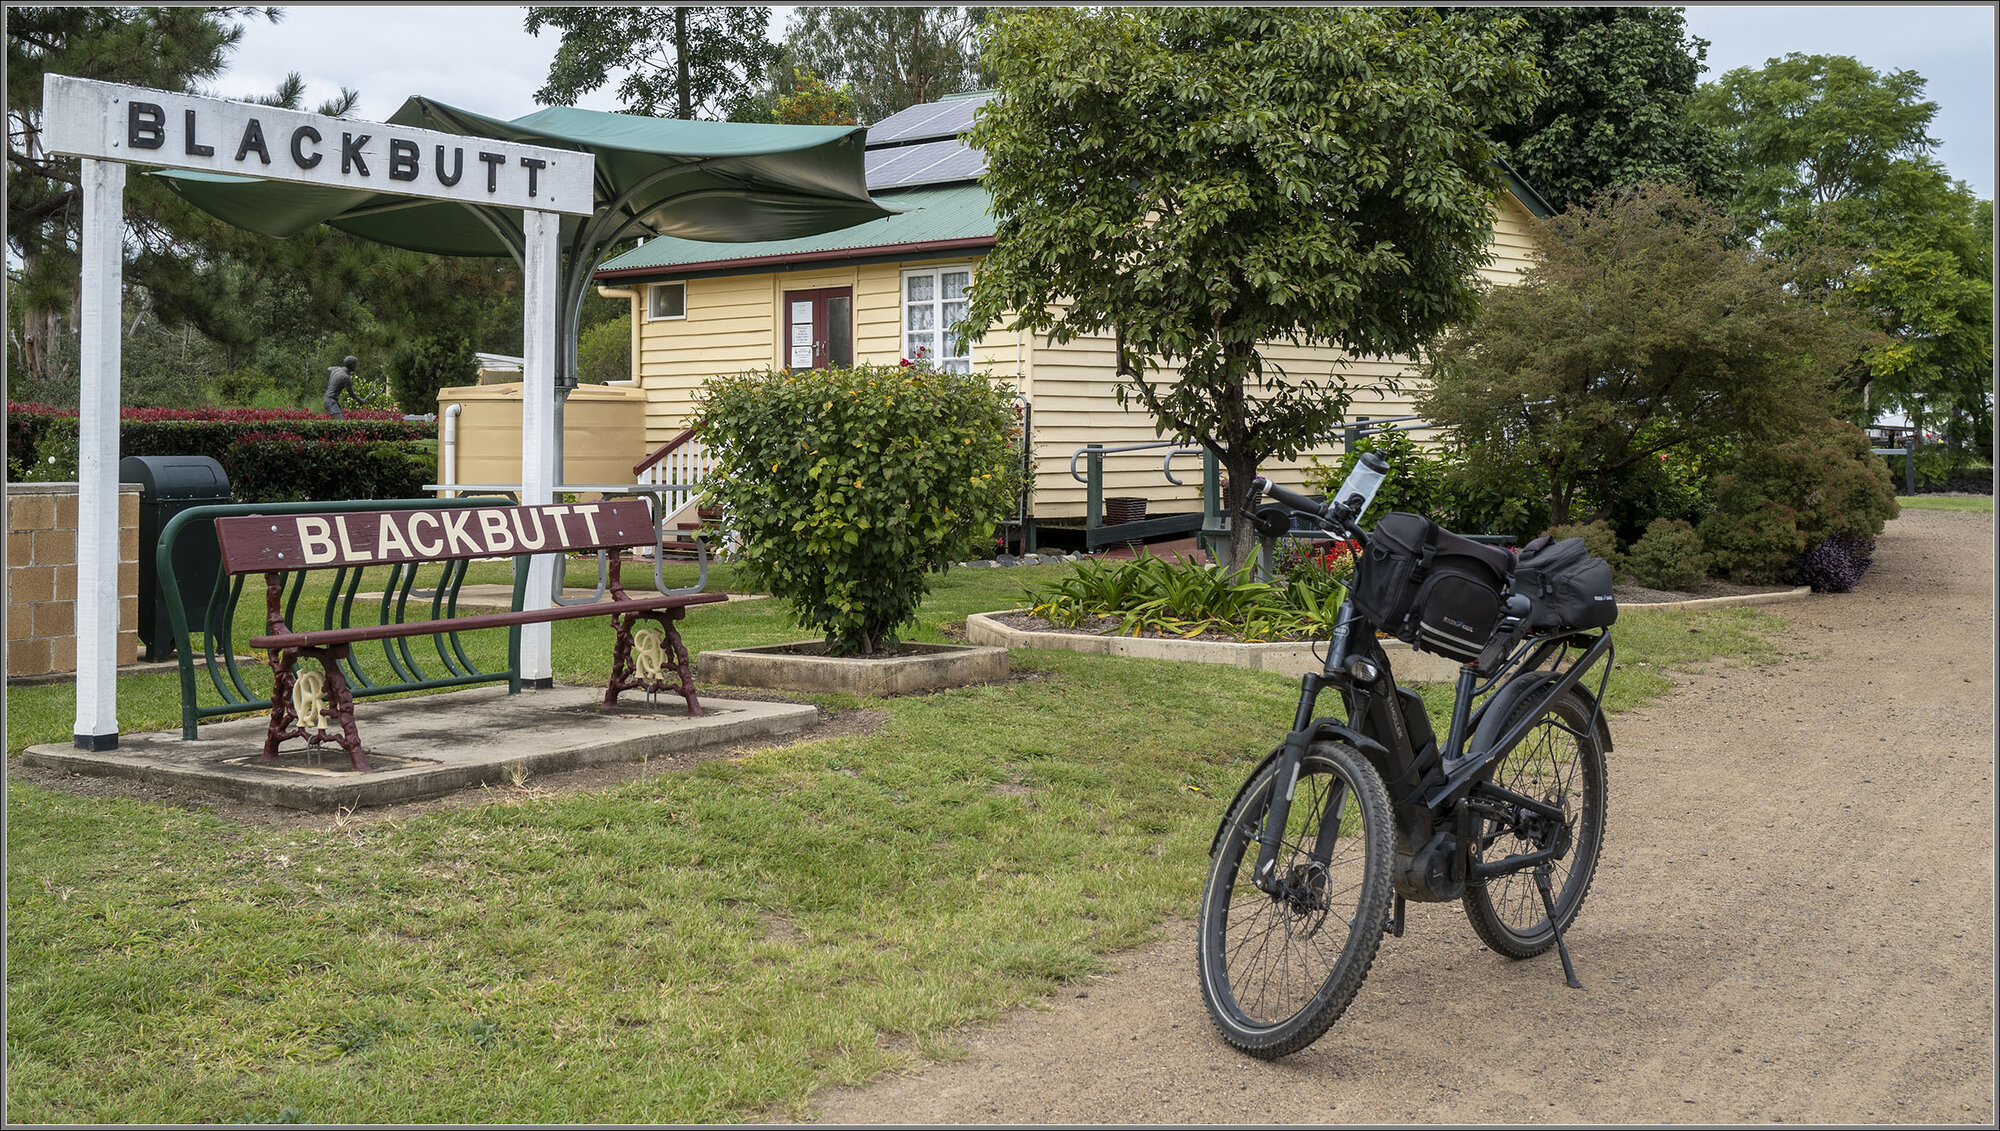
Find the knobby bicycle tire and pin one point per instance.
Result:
(1561, 762)
(1276, 972)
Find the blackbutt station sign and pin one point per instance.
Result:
(288, 542)
(181, 131)
(110, 126)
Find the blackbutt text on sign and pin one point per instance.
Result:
(403, 160)
(357, 538)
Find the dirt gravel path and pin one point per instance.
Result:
(1793, 923)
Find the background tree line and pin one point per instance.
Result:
(1861, 216)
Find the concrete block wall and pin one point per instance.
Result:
(41, 577)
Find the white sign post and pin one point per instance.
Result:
(110, 125)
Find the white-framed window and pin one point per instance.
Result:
(934, 300)
(666, 300)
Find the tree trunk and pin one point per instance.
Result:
(681, 64)
(1239, 458)
(1239, 470)
(1559, 499)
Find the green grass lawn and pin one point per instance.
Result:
(1983, 505)
(708, 946)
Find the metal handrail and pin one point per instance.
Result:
(1089, 450)
(663, 452)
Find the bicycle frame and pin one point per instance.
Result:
(1427, 784)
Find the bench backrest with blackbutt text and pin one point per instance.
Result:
(265, 543)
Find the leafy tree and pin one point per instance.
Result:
(1932, 294)
(1807, 138)
(436, 361)
(241, 291)
(1620, 81)
(604, 351)
(803, 99)
(1833, 167)
(163, 48)
(1640, 327)
(1205, 180)
(680, 62)
(892, 58)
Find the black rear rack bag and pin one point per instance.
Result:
(1566, 585)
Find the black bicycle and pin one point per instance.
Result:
(1348, 820)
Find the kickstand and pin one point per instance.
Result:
(1562, 948)
(1395, 924)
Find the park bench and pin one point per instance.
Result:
(286, 546)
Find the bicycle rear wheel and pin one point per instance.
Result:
(1278, 970)
(1560, 762)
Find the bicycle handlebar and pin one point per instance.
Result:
(1340, 515)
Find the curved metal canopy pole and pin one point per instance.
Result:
(586, 248)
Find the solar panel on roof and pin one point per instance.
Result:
(928, 163)
(926, 121)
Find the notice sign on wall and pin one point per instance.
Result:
(139, 126)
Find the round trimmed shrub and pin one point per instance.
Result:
(1780, 498)
(1669, 556)
(847, 487)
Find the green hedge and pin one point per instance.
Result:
(269, 455)
(281, 468)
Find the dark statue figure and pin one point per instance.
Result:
(339, 379)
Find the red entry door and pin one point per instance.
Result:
(819, 328)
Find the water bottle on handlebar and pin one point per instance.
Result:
(1343, 510)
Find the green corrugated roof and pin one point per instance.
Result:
(925, 215)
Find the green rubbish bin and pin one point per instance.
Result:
(169, 485)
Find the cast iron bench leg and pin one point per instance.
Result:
(285, 722)
(625, 675)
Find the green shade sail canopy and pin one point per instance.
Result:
(712, 181)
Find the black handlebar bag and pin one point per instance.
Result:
(1430, 588)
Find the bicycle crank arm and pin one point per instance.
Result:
(1480, 870)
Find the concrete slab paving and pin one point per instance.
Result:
(430, 747)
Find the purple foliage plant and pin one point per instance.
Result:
(1836, 564)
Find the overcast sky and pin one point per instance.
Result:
(479, 57)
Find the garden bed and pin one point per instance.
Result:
(1017, 628)
(806, 667)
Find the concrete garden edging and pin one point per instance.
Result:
(1289, 659)
(933, 667)
(1799, 594)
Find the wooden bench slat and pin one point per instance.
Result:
(259, 543)
(325, 637)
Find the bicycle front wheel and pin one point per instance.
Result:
(1277, 969)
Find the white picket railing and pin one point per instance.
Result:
(676, 472)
